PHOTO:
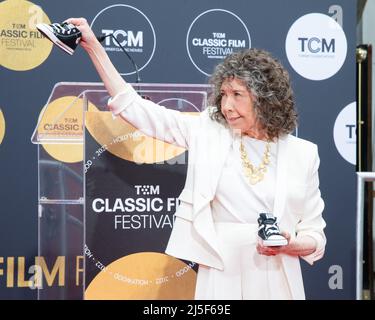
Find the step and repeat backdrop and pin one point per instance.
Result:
(116, 250)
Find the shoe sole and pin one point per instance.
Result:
(50, 35)
(274, 243)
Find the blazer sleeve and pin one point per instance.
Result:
(152, 119)
(312, 223)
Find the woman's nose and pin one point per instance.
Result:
(227, 105)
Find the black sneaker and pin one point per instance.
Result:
(65, 35)
(269, 232)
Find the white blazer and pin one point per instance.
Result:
(298, 204)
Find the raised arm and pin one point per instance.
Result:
(112, 80)
(154, 120)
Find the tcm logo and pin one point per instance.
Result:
(351, 130)
(317, 45)
(147, 190)
(125, 38)
(134, 32)
(344, 133)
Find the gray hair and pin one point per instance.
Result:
(269, 84)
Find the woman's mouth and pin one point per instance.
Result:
(232, 119)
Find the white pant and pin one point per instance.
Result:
(247, 274)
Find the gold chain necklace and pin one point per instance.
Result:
(255, 174)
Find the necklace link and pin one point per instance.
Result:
(253, 173)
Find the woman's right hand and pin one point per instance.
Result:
(88, 40)
(112, 80)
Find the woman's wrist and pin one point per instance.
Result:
(94, 49)
(300, 246)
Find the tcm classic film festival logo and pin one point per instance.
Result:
(213, 35)
(133, 30)
(316, 46)
(145, 211)
(22, 47)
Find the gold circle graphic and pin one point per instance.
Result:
(2, 126)
(22, 47)
(126, 142)
(60, 120)
(144, 275)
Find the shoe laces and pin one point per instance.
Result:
(64, 28)
(270, 227)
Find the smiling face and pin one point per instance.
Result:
(237, 107)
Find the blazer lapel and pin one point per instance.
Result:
(281, 178)
(206, 177)
(212, 154)
(218, 152)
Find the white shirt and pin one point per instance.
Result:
(237, 200)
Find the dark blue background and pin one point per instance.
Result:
(23, 95)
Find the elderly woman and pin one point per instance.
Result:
(242, 162)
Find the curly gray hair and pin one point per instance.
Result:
(269, 84)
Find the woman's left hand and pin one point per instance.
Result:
(272, 251)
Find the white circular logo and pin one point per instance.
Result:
(213, 35)
(316, 46)
(344, 133)
(132, 29)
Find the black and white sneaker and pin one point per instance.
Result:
(269, 232)
(65, 35)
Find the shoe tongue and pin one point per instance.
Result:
(269, 216)
(270, 219)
